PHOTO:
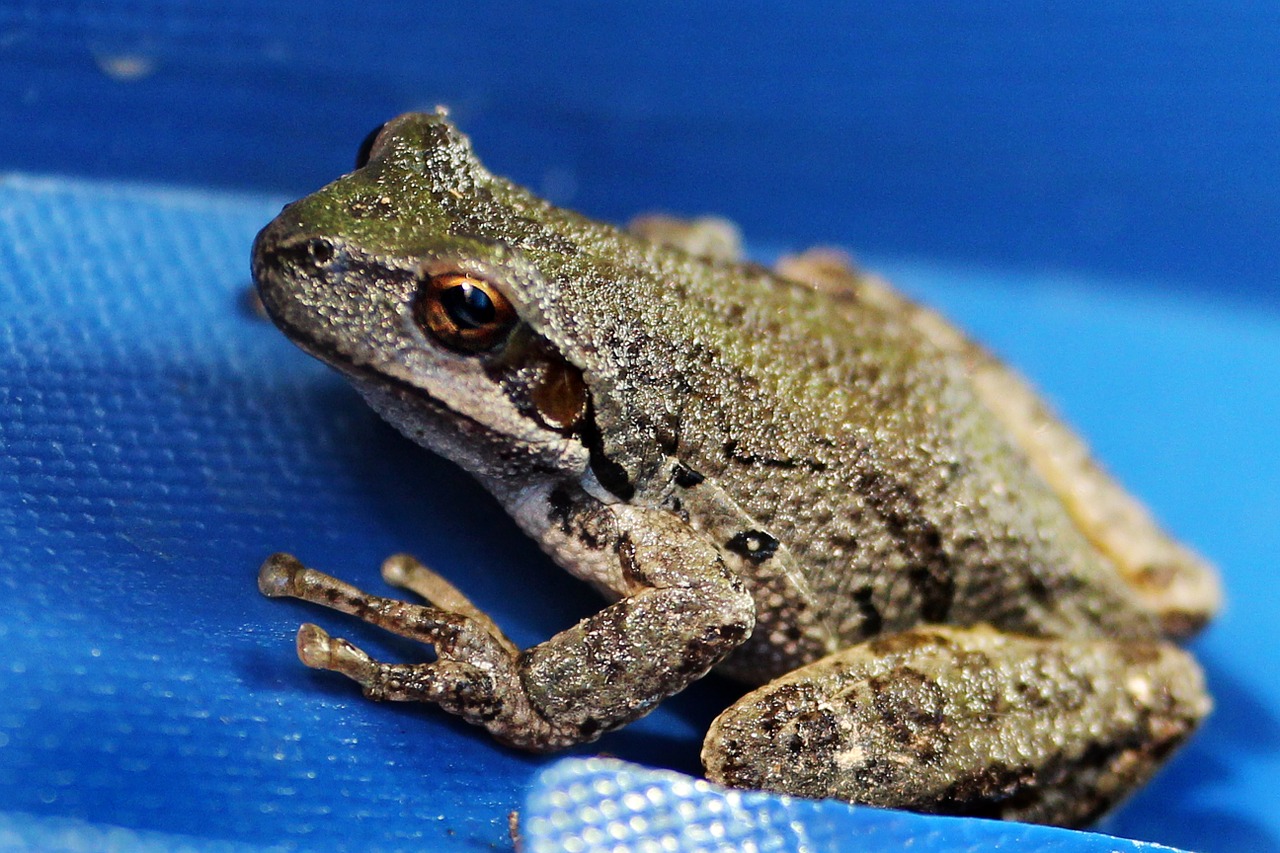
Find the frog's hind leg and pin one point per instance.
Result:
(965, 721)
(1173, 583)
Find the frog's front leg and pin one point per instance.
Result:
(682, 613)
(966, 721)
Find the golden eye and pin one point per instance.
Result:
(463, 312)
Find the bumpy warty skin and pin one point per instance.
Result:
(762, 474)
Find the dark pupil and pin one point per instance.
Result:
(468, 306)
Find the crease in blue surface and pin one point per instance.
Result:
(596, 805)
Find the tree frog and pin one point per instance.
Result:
(795, 476)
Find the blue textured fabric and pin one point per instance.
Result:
(1135, 138)
(20, 833)
(596, 805)
(157, 441)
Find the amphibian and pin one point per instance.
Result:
(796, 476)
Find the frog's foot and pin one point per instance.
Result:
(824, 268)
(475, 676)
(834, 272)
(707, 236)
(682, 617)
(405, 572)
(966, 721)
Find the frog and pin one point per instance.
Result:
(793, 475)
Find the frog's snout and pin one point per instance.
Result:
(279, 248)
(265, 258)
(292, 270)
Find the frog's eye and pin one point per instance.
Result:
(463, 312)
(365, 151)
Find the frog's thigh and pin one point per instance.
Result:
(1173, 583)
(965, 721)
(1169, 579)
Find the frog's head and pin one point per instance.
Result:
(411, 276)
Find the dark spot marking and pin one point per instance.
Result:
(491, 711)
(734, 632)
(627, 559)
(990, 791)
(931, 574)
(779, 704)
(564, 514)
(685, 477)
(877, 774)
(668, 435)
(1038, 589)
(677, 506)
(912, 707)
(561, 508)
(610, 474)
(732, 453)
(814, 732)
(590, 727)
(701, 653)
(872, 621)
(755, 545)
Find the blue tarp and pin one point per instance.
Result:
(157, 440)
(160, 440)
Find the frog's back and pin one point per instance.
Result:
(839, 449)
(836, 427)
(911, 499)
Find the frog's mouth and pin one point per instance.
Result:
(347, 309)
(390, 396)
(299, 322)
(299, 306)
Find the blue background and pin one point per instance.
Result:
(1094, 192)
(1137, 138)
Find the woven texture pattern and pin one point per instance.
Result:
(604, 805)
(157, 440)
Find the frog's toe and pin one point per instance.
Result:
(711, 237)
(318, 650)
(406, 572)
(397, 569)
(275, 577)
(315, 646)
